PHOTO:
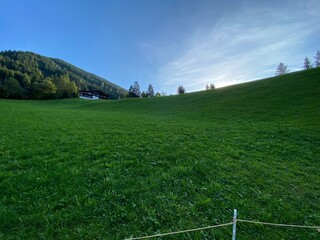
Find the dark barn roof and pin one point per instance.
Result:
(94, 95)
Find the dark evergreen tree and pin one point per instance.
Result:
(210, 87)
(136, 87)
(282, 69)
(307, 63)
(317, 57)
(150, 91)
(131, 92)
(134, 90)
(181, 90)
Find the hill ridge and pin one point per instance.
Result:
(28, 75)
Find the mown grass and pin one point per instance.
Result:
(77, 169)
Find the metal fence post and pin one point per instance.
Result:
(234, 228)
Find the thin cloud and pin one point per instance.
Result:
(240, 46)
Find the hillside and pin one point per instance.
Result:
(291, 96)
(28, 75)
(79, 169)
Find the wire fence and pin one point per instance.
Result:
(182, 231)
(234, 222)
(280, 224)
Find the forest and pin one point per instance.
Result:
(26, 75)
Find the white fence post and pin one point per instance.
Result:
(234, 228)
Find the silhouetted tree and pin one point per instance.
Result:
(130, 92)
(134, 90)
(317, 57)
(307, 63)
(181, 90)
(282, 69)
(150, 91)
(210, 87)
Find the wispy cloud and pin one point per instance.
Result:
(243, 45)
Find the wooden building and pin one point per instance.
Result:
(93, 95)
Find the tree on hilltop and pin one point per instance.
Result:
(210, 87)
(181, 90)
(317, 57)
(150, 91)
(282, 69)
(134, 90)
(307, 63)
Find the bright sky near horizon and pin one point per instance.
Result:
(166, 42)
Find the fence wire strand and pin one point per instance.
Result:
(278, 224)
(225, 224)
(179, 232)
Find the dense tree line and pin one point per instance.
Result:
(26, 75)
(134, 91)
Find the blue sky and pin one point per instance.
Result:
(166, 42)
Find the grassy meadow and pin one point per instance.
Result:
(79, 169)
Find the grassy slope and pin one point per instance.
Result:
(109, 170)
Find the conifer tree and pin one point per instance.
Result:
(317, 57)
(134, 90)
(210, 87)
(282, 69)
(181, 90)
(307, 63)
(150, 91)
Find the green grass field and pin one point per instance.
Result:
(79, 169)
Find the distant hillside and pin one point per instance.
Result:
(27, 75)
(286, 95)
